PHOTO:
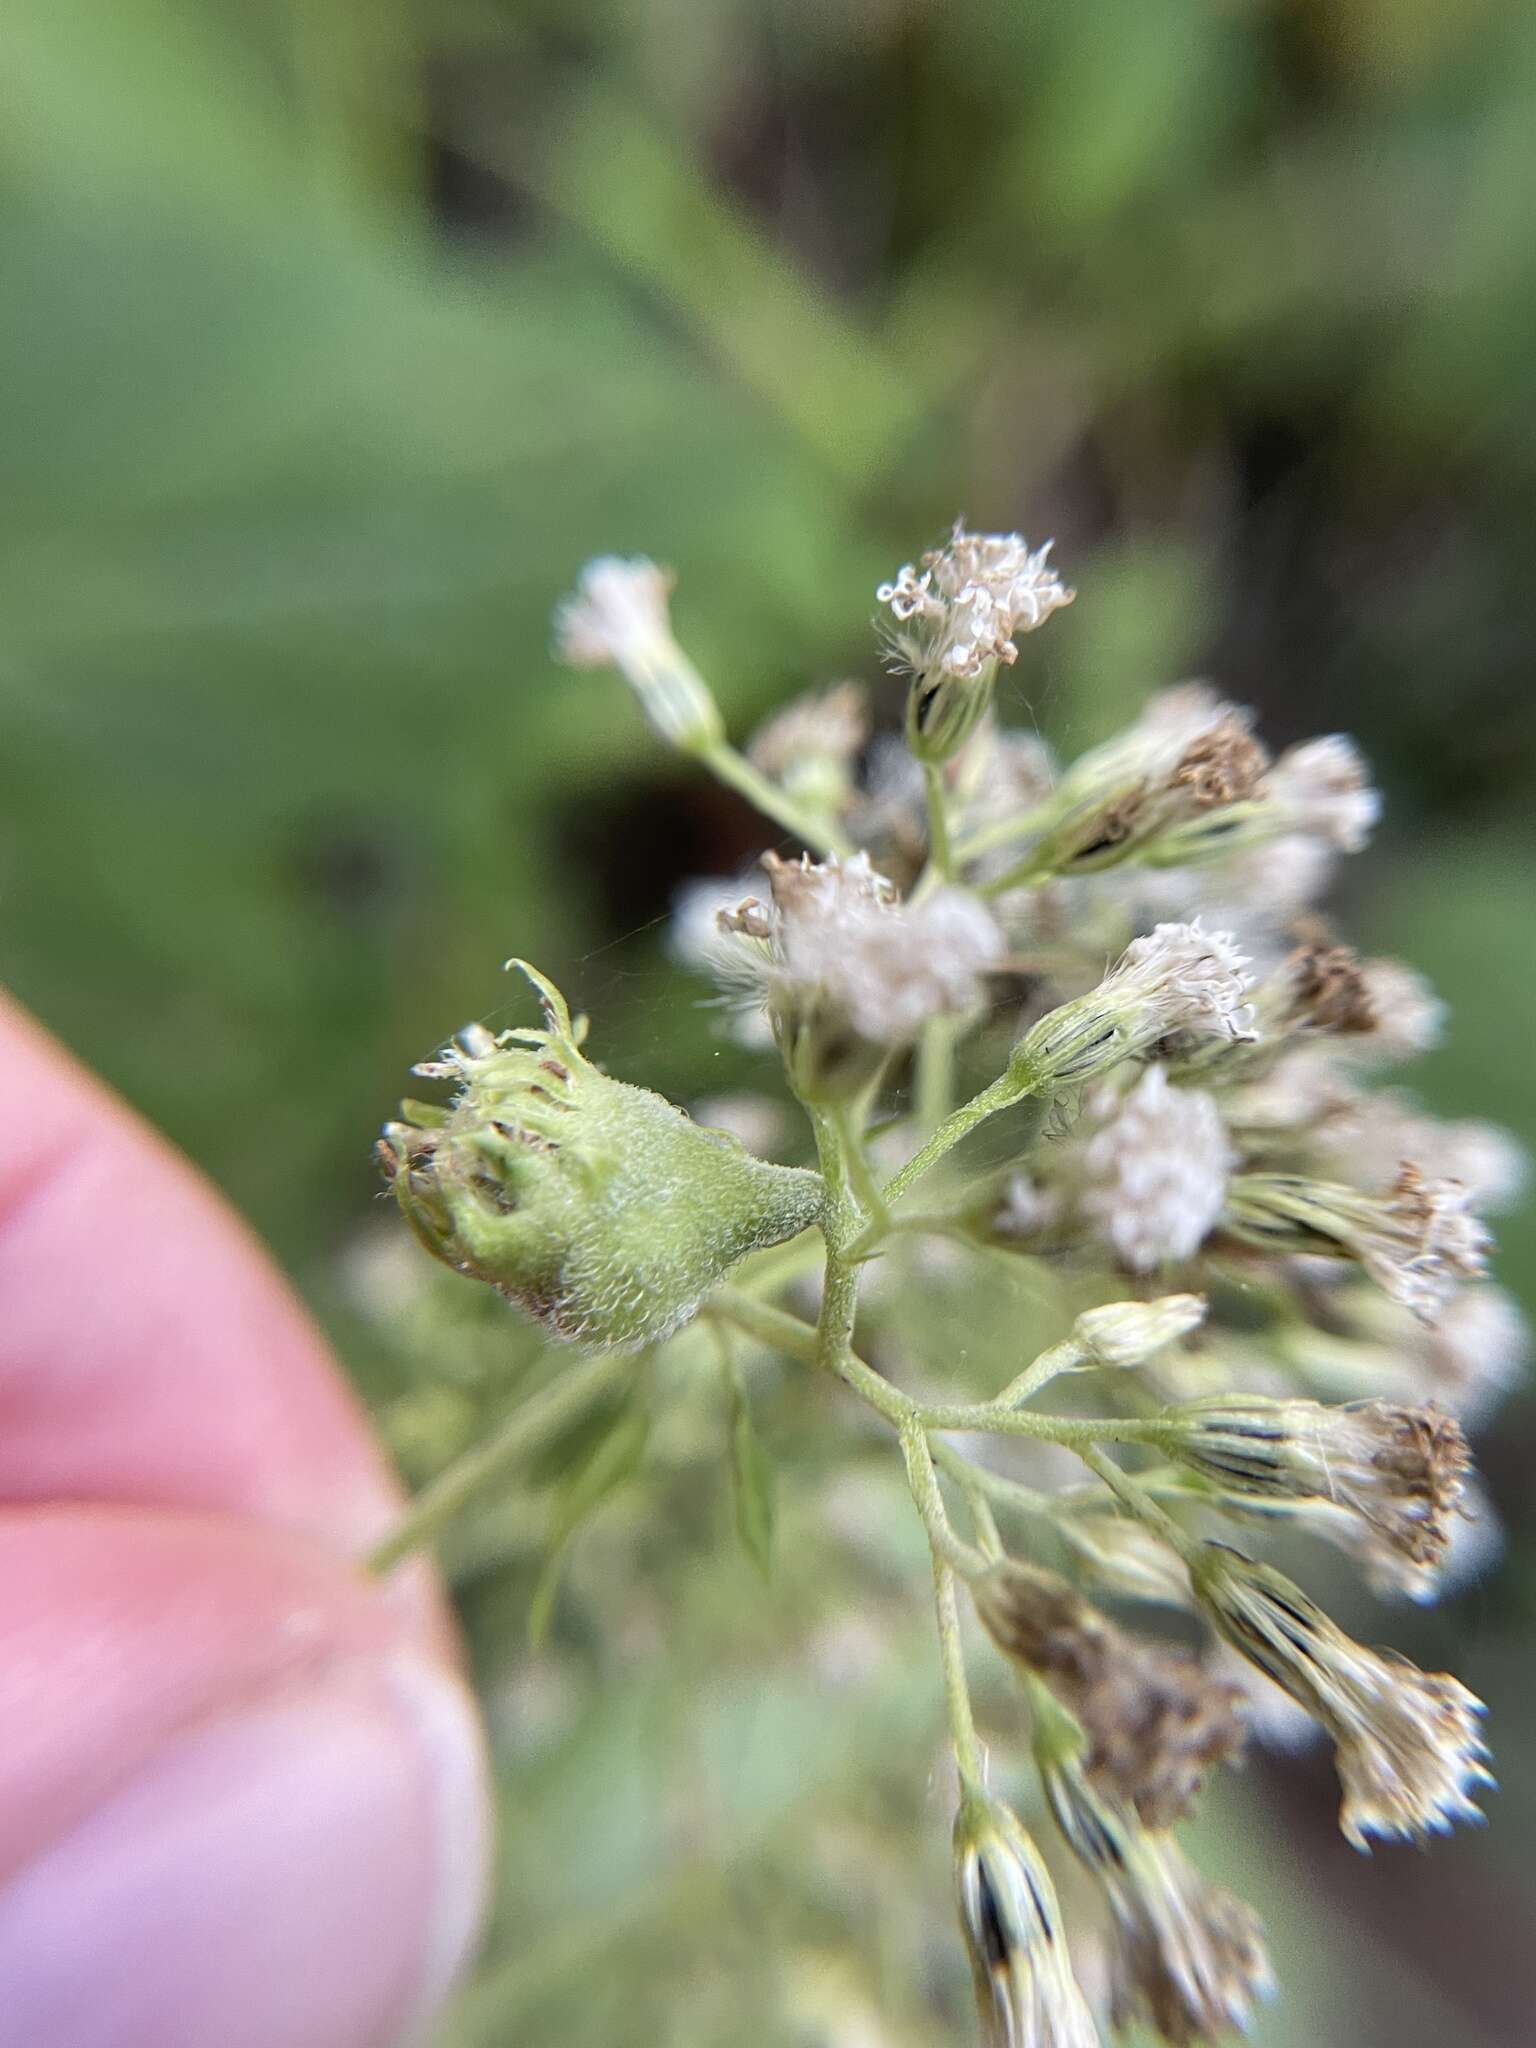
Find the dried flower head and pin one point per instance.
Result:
(1401, 1470)
(1179, 982)
(1154, 1720)
(1419, 1242)
(1157, 1170)
(1184, 786)
(618, 617)
(1026, 1994)
(1406, 1742)
(1189, 1958)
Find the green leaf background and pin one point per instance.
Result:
(333, 338)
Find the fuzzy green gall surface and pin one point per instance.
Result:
(598, 1207)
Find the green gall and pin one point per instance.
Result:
(599, 1208)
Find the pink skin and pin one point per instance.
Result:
(242, 1792)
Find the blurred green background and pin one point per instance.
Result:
(335, 334)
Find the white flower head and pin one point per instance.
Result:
(1323, 787)
(1026, 1208)
(618, 610)
(1170, 723)
(1406, 1016)
(1192, 980)
(1369, 1136)
(809, 748)
(1406, 1741)
(1176, 983)
(618, 617)
(1476, 1351)
(956, 616)
(1157, 1173)
(834, 955)
(962, 607)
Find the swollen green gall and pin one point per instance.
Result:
(599, 1208)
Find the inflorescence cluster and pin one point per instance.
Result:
(1276, 1263)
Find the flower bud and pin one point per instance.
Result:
(618, 617)
(1127, 1333)
(1025, 1989)
(600, 1208)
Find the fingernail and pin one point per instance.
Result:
(305, 1875)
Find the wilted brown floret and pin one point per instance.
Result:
(1156, 1722)
(1222, 766)
(1328, 989)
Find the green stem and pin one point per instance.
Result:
(772, 1326)
(924, 1482)
(940, 851)
(1002, 1094)
(987, 1420)
(1064, 1357)
(957, 1691)
(824, 1347)
(980, 1480)
(736, 770)
(1003, 833)
(529, 1425)
(866, 1188)
(1139, 1502)
(1025, 874)
(935, 1091)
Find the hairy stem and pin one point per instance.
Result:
(866, 1189)
(934, 1094)
(957, 1691)
(924, 1482)
(1001, 1094)
(1139, 1502)
(1063, 1357)
(820, 1347)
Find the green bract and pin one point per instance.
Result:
(600, 1208)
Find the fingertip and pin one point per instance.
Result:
(307, 1871)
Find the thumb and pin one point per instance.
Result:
(238, 1801)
